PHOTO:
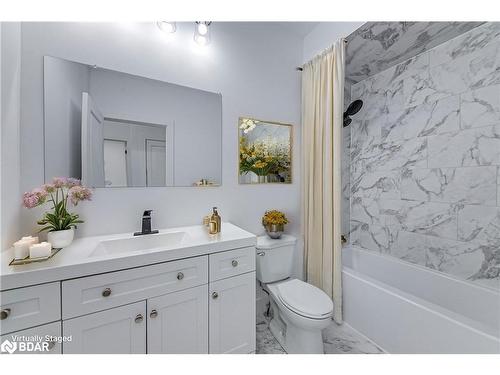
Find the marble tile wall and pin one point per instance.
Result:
(376, 46)
(346, 151)
(425, 159)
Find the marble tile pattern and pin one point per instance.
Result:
(337, 339)
(391, 43)
(342, 339)
(425, 158)
(266, 342)
(346, 152)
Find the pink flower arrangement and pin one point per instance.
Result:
(58, 192)
(35, 198)
(79, 193)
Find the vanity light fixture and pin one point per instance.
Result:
(167, 27)
(202, 33)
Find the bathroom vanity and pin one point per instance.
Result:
(178, 291)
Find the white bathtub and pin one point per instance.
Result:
(405, 308)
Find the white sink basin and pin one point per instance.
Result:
(148, 242)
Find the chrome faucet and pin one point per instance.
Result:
(146, 224)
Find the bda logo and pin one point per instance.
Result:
(9, 347)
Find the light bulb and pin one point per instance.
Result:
(202, 29)
(202, 33)
(201, 40)
(167, 27)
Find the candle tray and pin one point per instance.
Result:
(28, 260)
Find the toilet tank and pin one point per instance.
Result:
(274, 258)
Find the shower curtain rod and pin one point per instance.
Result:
(299, 68)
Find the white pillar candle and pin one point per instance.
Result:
(32, 239)
(39, 250)
(21, 249)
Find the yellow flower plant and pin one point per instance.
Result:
(274, 217)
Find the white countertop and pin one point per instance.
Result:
(76, 260)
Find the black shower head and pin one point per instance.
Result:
(353, 108)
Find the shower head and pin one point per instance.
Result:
(353, 108)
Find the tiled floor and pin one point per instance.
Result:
(342, 339)
(337, 340)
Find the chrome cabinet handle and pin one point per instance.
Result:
(261, 253)
(215, 295)
(106, 292)
(139, 318)
(4, 314)
(153, 314)
(234, 263)
(180, 276)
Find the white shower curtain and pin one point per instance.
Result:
(322, 109)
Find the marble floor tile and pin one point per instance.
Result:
(267, 344)
(337, 340)
(342, 339)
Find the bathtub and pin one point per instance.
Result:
(406, 308)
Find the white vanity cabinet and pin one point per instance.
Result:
(232, 314)
(204, 303)
(178, 322)
(28, 307)
(121, 330)
(48, 333)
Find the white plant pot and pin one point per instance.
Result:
(61, 238)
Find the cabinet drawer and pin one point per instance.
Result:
(31, 306)
(231, 263)
(94, 293)
(48, 343)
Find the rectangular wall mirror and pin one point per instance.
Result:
(265, 150)
(113, 129)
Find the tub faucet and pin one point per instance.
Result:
(146, 224)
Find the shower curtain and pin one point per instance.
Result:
(322, 109)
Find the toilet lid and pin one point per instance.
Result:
(305, 299)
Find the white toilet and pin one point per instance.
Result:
(300, 310)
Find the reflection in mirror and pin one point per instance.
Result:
(264, 152)
(113, 129)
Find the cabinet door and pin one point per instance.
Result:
(121, 330)
(46, 340)
(178, 322)
(232, 315)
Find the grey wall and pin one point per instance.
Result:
(10, 117)
(252, 65)
(425, 154)
(324, 35)
(135, 135)
(64, 83)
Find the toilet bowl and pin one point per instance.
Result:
(300, 310)
(300, 313)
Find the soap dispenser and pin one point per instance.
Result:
(215, 222)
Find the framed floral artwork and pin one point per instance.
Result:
(265, 152)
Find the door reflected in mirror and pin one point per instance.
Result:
(265, 150)
(113, 129)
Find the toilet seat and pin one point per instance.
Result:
(303, 299)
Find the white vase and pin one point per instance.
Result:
(61, 238)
